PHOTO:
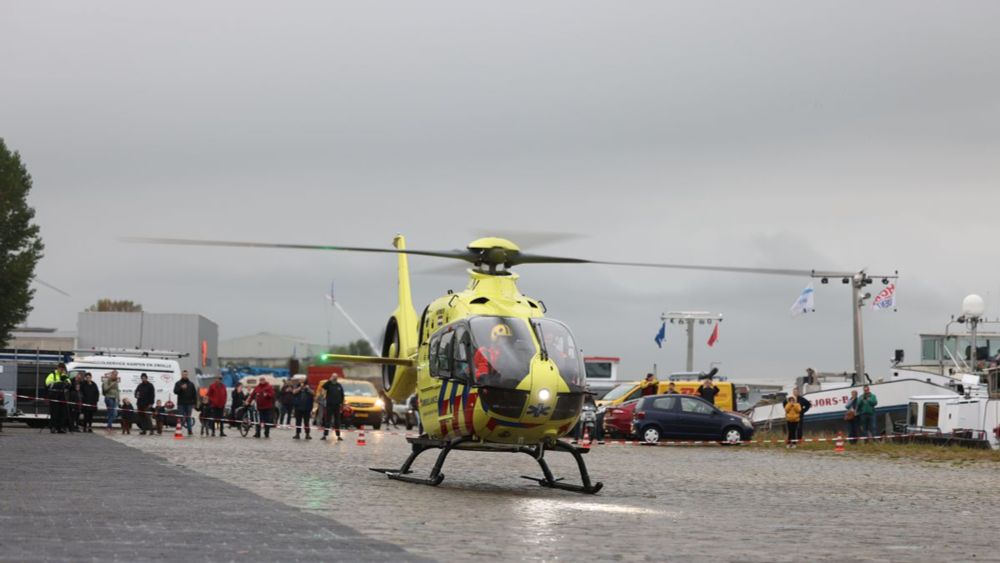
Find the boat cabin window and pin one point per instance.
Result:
(982, 352)
(959, 348)
(559, 346)
(929, 350)
(911, 416)
(504, 347)
(931, 411)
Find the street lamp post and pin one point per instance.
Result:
(973, 309)
(858, 281)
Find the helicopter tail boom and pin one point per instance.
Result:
(400, 338)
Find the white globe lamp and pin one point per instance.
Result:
(973, 306)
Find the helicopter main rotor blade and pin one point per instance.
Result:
(472, 256)
(52, 287)
(453, 254)
(536, 259)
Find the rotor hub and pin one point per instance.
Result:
(494, 253)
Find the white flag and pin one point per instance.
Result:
(804, 304)
(886, 299)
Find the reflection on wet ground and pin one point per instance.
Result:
(692, 503)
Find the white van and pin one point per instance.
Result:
(162, 373)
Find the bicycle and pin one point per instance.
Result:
(248, 418)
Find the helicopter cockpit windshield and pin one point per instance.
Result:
(503, 350)
(558, 345)
(490, 351)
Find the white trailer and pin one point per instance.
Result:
(163, 373)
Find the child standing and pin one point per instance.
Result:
(793, 416)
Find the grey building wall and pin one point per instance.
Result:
(48, 340)
(182, 333)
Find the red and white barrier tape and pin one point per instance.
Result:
(761, 442)
(592, 442)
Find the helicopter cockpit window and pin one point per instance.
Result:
(439, 354)
(503, 350)
(432, 354)
(462, 365)
(558, 344)
(443, 356)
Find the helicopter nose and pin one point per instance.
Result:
(544, 396)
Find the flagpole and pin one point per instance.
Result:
(858, 281)
(689, 318)
(690, 355)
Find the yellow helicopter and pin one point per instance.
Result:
(491, 372)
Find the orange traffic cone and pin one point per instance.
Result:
(585, 443)
(178, 435)
(838, 446)
(361, 435)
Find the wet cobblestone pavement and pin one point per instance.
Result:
(682, 503)
(80, 497)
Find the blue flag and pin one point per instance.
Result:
(662, 335)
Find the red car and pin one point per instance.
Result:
(618, 420)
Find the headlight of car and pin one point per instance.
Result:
(379, 403)
(746, 422)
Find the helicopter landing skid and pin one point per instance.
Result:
(420, 445)
(551, 482)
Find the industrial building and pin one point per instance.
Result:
(27, 338)
(194, 336)
(266, 350)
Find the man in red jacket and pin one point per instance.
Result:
(217, 400)
(263, 393)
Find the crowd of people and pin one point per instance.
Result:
(73, 403)
(859, 415)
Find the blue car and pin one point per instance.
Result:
(684, 417)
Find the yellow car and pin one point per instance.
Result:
(366, 406)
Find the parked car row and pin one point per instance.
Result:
(675, 417)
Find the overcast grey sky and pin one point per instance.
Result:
(784, 134)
